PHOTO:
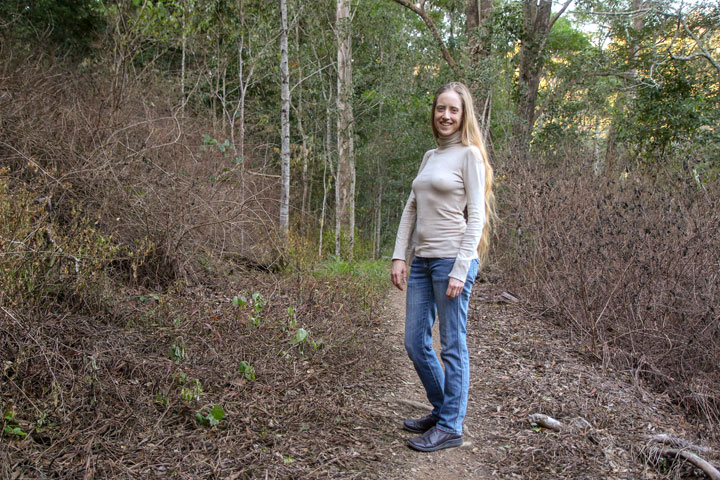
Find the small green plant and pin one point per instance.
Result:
(162, 399)
(180, 377)
(302, 338)
(192, 391)
(258, 303)
(225, 147)
(292, 316)
(247, 370)
(216, 415)
(240, 301)
(10, 425)
(177, 350)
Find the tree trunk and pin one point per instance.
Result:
(626, 94)
(327, 160)
(345, 186)
(285, 124)
(477, 22)
(182, 65)
(537, 23)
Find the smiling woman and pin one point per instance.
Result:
(447, 113)
(453, 178)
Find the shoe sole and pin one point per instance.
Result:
(448, 444)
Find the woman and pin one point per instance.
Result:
(453, 179)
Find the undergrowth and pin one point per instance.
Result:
(144, 328)
(628, 263)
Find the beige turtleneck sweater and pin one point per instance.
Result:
(450, 178)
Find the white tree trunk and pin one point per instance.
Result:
(285, 124)
(345, 186)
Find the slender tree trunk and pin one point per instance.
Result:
(626, 95)
(223, 101)
(378, 218)
(537, 23)
(182, 64)
(327, 160)
(345, 186)
(305, 154)
(301, 130)
(285, 124)
(240, 108)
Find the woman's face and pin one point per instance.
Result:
(448, 113)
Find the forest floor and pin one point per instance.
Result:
(521, 366)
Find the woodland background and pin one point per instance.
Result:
(248, 161)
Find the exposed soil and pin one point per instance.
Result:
(520, 366)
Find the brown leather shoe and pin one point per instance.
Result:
(421, 425)
(435, 439)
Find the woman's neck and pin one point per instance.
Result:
(446, 141)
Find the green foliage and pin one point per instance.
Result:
(671, 113)
(11, 427)
(213, 418)
(292, 316)
(302, 338)
(177, 350)
(66, 24)
(247, 370)
(256, 304)
(191, 391)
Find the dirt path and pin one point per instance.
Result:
(519, 367)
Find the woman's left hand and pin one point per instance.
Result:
(455, 286)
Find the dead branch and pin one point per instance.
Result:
(677, 442)
(413, 403)
(546, 421)
(699, 462)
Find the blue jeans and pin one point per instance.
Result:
(447, 391)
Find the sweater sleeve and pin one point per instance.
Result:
(407, 221)
(474, 180)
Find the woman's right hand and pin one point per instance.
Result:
(398, 274)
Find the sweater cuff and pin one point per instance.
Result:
(460, 269)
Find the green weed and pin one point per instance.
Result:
(214, 417)
(247, 370)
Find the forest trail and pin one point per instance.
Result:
(520, 366)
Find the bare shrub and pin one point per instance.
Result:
(173, 201)
(628, 263)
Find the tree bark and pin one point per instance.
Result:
(284, 222)
(345, 186)
(537, 23)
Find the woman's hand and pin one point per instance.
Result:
(398, 274)
(455, 286)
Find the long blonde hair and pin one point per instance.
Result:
(470, 131)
